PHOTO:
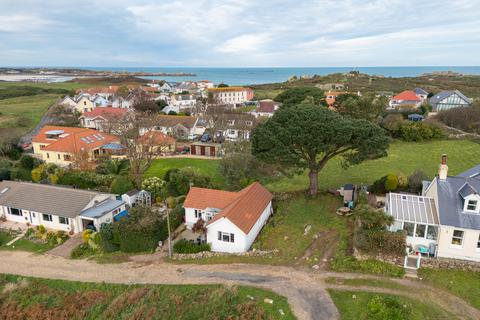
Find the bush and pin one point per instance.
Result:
(386, 308)
(466, 119)
(4, 174)
(391, 183)
(418, 131)
(29, 162)
(153, 185)
(380, 241)
(184, 246)
(86, 235)
(82, 251)
(21, 174)
(106, 235)
(86, 180)
(378, 187)
(415, 181)
(343, 263)
(121, 185)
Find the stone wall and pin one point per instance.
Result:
(209, 254)
(396, 260)
(445, 263)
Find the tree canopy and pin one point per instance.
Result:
(366, 107)
(307, 137)
(299, 95)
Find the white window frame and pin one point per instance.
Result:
(48, 215)
(20, 212)
(456, 237)
(65, 220)
(474, 205)
(221, 236)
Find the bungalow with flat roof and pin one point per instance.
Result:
(56, 207)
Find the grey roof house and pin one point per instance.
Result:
(446, 216)
(57, 207)
(446, 100)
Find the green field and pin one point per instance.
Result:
(403, 157)
(353, 306)
(205, 166)
(33, 298)
(30, 108)
(465, 284)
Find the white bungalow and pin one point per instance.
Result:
(233, 219)
(58, 208)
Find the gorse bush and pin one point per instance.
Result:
(184, 246)
(387, 308)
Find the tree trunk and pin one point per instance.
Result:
(313, 175)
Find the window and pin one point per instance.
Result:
(15, 212)
(408, 227)
(58, 156)
(63, 220)
(248, 123)
(67, 157)
(47, 217)
(478, 242)
(432, 232)
(48, 155)
(225, 237)
(457, 238)
(420, 230)
(231, 122)
(198, 213)
(472, 205)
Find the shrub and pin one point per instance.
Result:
(419, 131)
(39, 173)
(391, 183)
(184, 246)
(106, 236)
(4, 174)
(466, 119)
(344, 263)
(378, 187)
(29, 162)
(386, 308)
(20, 174)
(381, 241)
(415, 181)
(83, 250)
(153, 185)
(121, 185)
(86, 235)
(86, 180)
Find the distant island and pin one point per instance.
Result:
(62, 74)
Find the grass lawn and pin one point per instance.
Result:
(54, 299)
(205, 166)
(5, 237)
(356, 308)
(465, 284)
(403, 158)
(285, 232)
(31, 108)
(22, 244)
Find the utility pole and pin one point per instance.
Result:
(168, 228)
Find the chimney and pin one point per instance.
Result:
(443, 168)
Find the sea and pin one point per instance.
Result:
(254, 75)
(246, 76)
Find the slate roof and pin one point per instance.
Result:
(101, 208)
(450, 202)
(420, 91)
(470, 173)
(60, 201)
(445, 94)
(171, 121)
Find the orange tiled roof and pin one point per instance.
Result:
(105, 112)
(73, 140)
(242, 208)
(407, 95)
(156, 138)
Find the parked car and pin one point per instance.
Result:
(205, 138)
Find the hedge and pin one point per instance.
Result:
(184, 246)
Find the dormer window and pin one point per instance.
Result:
(472, 205)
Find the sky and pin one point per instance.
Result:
(239, 33)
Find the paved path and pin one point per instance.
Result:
(66, 248)
(305, 290)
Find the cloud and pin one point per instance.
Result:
(18, 23)
(240, 32)
(244, 43)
